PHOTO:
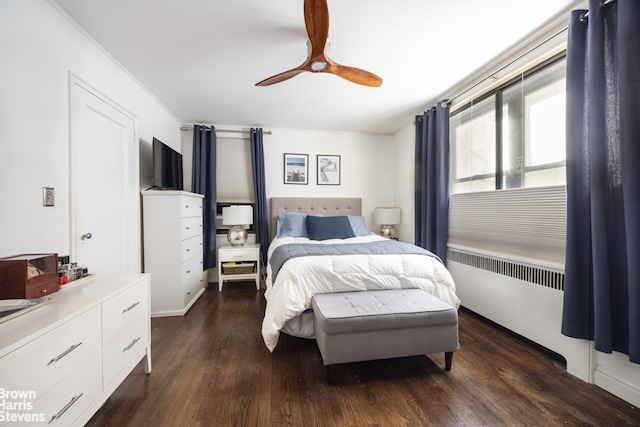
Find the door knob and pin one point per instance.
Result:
(86, 236)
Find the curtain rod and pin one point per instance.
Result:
(551, 37)
(266, 132)
(603, 4)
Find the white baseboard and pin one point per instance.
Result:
(616, 374)
(617, 387)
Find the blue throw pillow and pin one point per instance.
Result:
(358, 225)
(292, 225)
(329, 227)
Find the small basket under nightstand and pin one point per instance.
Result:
(231, 268)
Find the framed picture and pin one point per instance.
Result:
(296, 168)
(328, 170)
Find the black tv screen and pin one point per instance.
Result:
(167, 167)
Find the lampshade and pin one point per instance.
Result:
(386, 216)
(237, 215)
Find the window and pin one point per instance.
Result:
(472, 137)
(513, 137)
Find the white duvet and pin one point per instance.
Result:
(301, 278)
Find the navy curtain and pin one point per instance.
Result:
(257, 161)
(432, 180)
(204, 182)
(602, 272)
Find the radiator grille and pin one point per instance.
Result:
(538, 275)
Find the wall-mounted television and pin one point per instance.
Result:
(167, 167)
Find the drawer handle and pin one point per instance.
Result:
(186, 206)
(63, 354)
(130, 307)
(44, 291)
(188, 271)
(188, 250)
(74, 399)
(187, 228)
(131, 345)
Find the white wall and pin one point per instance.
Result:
(233, 166)
(404, 142)
(38, 49)
(366, 166)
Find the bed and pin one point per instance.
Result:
(339, 262)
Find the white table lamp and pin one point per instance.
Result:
(387, 218)
(238, 217)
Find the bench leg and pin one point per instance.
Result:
(448, 358)
(330, 374)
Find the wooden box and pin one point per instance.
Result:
(28, 276)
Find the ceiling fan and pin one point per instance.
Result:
(316, 19)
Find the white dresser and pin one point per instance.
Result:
(172, 222)
(60, 362)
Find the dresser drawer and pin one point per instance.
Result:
(240, 254)
(123, 347)
(43, 362)
(193, 282)
(191, 227)
(191, 247)
(192, 272)
(191, 206)
(123, 309)
(68, 399)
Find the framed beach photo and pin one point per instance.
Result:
(296, 168)
(328, 169)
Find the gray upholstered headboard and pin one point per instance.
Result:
(318, 205)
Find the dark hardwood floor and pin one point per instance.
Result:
(211, 367)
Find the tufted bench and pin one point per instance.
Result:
(371, 325)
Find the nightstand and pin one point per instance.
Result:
(239, 263)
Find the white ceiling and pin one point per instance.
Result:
(202, 58)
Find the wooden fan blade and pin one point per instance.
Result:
(316, 19)
(355, 75)
(285, 75)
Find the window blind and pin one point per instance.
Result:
(524, 224)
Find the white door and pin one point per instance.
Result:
(105, 193)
